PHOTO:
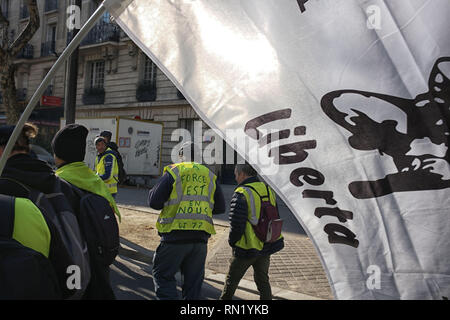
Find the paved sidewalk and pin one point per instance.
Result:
(295, 272)
(295, 268)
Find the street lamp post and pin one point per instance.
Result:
(70, 98)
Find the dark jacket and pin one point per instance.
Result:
(38, 175)
(99, 287)
(238, 220)
(113, 146)
(122, 174)
(161, 193)
(109, 162)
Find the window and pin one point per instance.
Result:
(94, 93)
(51, 5)
(97, 74)
(146, 90)
(5, 8)
(106, 18)
(24, 10)
(94, 6)
(51, 33)
(149, 76)
(49, 46)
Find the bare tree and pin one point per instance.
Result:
(9, 49)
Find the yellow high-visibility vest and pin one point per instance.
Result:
(30, 228)
(191, 201)
(249, 240)
(111, 181)
(81, 176)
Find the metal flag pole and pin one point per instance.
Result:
(40, 90)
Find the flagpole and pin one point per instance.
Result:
(40, 90)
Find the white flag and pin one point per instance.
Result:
(349, 103)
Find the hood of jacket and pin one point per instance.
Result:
(32, 172)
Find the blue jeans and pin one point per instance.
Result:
(169, 258)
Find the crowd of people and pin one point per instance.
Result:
(59, 233)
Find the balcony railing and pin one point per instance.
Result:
(95, 95)
(48, 48)
(146, 91)
(21, 95)
(51, 5)
(102, 32)
(27, 52)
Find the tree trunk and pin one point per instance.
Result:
(9, 93)
(8, 52)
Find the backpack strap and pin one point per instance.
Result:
(7, 216)
(268, 195)
(77, 191)
(16, 182)
(261, 197)
(34, 195)
(254, 221)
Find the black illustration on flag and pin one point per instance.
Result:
(414, 132)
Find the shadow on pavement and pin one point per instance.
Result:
(133, 280)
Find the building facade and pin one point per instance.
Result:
(115, 78)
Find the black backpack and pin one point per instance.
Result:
(122, 173)
(60, 215)
(268, 228)
(24, 272)
(99, 227)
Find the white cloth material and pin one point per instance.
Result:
(362, 88)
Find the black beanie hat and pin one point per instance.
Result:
(106, 134)
(69, 143)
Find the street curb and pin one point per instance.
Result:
(250, 286)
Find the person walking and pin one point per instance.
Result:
(69, 148)
(247, 249)
(106, 165)
(188, 195)
(113, 146)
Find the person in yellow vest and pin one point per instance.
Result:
(248, 249)
(106, 165)
(69, 148)
(188, 195)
